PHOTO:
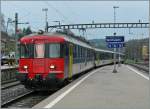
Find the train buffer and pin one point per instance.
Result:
(102, 89)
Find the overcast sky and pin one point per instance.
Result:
(80, 12)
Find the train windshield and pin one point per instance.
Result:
(54, 50)
(26, 51)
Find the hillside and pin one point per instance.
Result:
(134, 48)
(99, 43)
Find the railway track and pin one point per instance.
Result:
(9, 84)
(12, 92)
(27, 100)
(20, 97)
(9, 102)
(141, 67)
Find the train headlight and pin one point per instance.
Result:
(52, 66)
(25, 67)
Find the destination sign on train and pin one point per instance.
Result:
(114, 38)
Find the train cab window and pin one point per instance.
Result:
(39, 50)
(54, 50)
(78, 51)
(26, 50)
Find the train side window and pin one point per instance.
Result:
(64, 50)
(79, 51)
(99, 55)
(74, 51)
(87, 53)
(83, 52)
(46, 50)
(67, 51)
(62, 54)
(90, 54)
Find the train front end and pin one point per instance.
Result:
(41, 63)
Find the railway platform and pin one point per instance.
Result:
(7, 67)
(102, 89)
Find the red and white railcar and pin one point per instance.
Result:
(48, 59)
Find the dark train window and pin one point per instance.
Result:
(66, 50)
(87, 53)
(26, 50)
(83, 52)
(79, 51)
(74, 51)
(54, 50)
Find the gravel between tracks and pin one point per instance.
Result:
(13, 92)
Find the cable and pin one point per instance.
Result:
(57, 11)
(70, 9)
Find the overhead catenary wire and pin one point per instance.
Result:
(70, 9)
(57, 11)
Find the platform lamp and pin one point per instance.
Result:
(114, 70)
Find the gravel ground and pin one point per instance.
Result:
(12, 93)
(30, 101)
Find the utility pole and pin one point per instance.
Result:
(46, 22)
(16, 35)
(114, 70)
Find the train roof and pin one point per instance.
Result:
(60, 37)
(107, 51)
(102, 50)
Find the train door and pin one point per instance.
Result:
(70, 60)
(39, 61)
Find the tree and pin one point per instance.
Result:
(24, 32)
(134, 49)
(28, 31)
(3, 27)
